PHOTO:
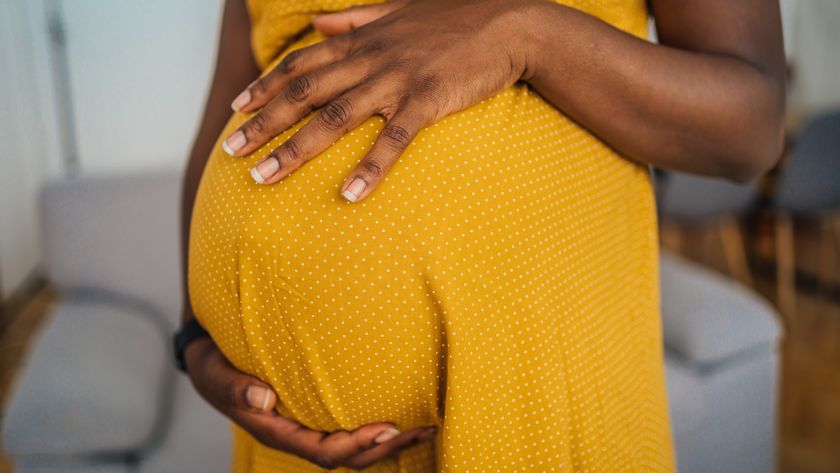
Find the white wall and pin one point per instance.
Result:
(139, 76)
(139, 73)
(813, 37)
(27, 123)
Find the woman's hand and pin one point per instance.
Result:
(249, 403)
(709, 98)
(421, 61)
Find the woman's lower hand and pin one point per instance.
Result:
(413, 62)
(250, 403)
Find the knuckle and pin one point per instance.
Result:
(325, 460)
(268, 439)
(429, 86)
(396, 136)
(258, 88)
(336, 115)
(428, 83)
(258, 124)
(373, 168)
(299, 90)
(276, 438)
(232, 393)
(400, 68)
(292, 149)
(387, 112)
(360, 447)
(352, 40)
(374, 46)
(343, 44)
(291, 61)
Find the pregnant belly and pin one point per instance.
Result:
(315, 297)
(340, 306)
(327, 301)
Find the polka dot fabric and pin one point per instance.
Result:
(501, 283)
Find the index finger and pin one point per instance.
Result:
(391, 447)
(328, 449)
(293, 65)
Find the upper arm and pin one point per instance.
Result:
(747, 30)
(235, 64)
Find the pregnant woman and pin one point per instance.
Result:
(425, 240)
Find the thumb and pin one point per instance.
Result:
(251, 394)
(260, 397)
(340, 22)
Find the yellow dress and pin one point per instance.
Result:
(501, 283)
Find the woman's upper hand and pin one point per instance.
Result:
(250, 403)
(411, 61)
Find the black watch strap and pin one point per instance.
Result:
(191, 331)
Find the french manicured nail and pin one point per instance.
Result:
(386, 435)
(234, 142)
(257, 397)
(355, 189)
(241, 100)
(429, 433)
(265, 169)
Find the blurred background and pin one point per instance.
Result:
(99, 103)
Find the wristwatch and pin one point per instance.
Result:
(189, 332)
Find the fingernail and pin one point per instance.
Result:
(428, 434)
(257, 397)
(234, 142)
(386, 435)
(354, 190)
(265, 169)
(241, 100)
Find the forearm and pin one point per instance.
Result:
(235, 69)
(692, 111)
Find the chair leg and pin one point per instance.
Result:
(835, 226)
(825, 276)
(671, 237)
(785, 270)
(734, 250)
(834, 233)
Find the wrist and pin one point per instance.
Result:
(195, 351)
(190, 333)
(538, 25)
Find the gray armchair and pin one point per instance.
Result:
(98, 392)
(721, 346)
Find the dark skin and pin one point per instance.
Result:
(709, 99)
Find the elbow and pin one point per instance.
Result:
(759, 161)
(760, 150)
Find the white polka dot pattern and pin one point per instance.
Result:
(500, 283)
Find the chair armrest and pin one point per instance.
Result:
(707, 318)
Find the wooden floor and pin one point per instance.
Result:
(809, 418)
(14, 342)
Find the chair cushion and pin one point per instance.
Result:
(707, 317)
(94, 383)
